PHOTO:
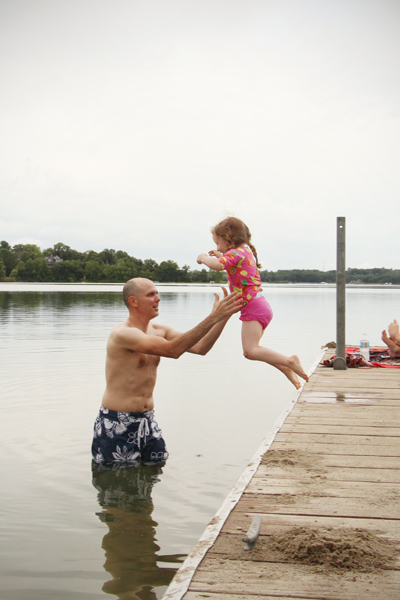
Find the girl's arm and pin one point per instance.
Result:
(210, 261)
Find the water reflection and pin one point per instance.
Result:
(25, 304)
(58, 300)
(130, 543)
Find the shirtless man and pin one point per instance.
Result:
(125, 430)
(393, 341)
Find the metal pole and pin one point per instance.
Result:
(339, 362)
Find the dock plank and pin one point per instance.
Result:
(340, 448)
(302, 505)
(326, 438)
(340, 473)
(354, 386)
(340, 429)
(324, 487)
(348, 411)
(271, 524)
(353, 461)
(340, 420)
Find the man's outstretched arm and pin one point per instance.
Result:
(207, 342)
(134, 339)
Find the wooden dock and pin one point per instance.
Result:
(334, 461)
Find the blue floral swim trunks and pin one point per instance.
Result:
(127, 438)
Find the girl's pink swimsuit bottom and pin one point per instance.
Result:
(259, 310)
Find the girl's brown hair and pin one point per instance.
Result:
(235, 233)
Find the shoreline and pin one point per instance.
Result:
(6, 285)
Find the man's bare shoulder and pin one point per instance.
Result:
(158, 329)
(121, 328)
(122, 333)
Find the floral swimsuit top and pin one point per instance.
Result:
(243, 275)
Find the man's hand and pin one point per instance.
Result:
(229, 305)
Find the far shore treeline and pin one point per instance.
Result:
(27, 262)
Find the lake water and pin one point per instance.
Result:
(68, 535)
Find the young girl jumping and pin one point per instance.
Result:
(238, 257)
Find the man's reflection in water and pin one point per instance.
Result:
(130, 546)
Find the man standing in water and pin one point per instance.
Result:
(125, 431)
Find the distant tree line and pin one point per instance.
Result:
(314, 276)
(27, 262)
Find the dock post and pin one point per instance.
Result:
(339, 363)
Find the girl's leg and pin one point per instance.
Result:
(289, 365)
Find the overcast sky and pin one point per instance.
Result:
(138, 124)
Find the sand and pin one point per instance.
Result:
(293, 459)
(336, 548)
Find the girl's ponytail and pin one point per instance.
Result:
(254, 251)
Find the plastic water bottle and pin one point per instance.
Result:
(364, 346)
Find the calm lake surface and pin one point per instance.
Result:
(69, 535)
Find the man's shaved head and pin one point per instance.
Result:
(132, 288)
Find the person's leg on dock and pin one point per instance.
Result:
(289, 365)
(394, 332)
(393, 346)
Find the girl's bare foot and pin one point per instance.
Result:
(394, 332)
(297, 368)
(291, 375)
